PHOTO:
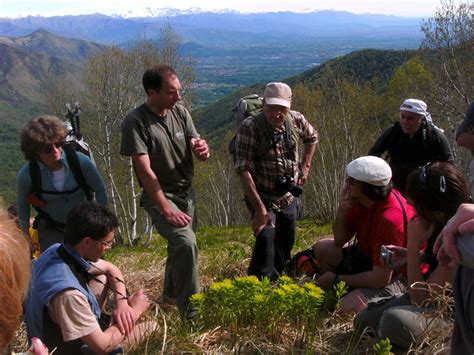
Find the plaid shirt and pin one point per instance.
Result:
(276, 162)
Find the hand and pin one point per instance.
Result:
(462, 222)
(326, 280)
(123, 317)
(177, 218)
(442, 256)
(259, 221)
(345, 200)
(303, 176)
(37, 347)
(200, 148)
(399, 256)
(418, 231)
(139, 302)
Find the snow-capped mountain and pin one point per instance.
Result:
(168, 12)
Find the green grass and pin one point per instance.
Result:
(224, 253)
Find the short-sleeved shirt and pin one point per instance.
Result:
(428, 144)
(165, 140)
(380, 224)
(277, 161)
(70, 309)
(467, 124)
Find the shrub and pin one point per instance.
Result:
(243, 304)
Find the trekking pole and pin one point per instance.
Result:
(73, 115)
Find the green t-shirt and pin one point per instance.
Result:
(165, 140)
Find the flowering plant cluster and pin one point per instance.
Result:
(242, 302)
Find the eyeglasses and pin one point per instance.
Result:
(424, 177)
(49, 149)
(106, 243)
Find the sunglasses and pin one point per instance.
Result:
(424, 177)
(49, 149)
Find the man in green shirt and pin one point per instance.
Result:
(161, 139)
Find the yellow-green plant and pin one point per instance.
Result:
(383, 347)
(245, 302)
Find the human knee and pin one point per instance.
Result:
(322, 246)
(327, 252)
(353, 302)
(187, 244)
(367, 320)
(182, 237)
(395, 325)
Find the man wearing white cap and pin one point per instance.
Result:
(271, 174)
(412, 142)
(376, 215)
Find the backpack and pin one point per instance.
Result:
(74, 143)
(303, 263)
(73, 126)
(252, 106)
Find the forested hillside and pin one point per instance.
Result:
(372, 66)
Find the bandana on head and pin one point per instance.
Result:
(419, 107)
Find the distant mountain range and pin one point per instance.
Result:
(197, 25)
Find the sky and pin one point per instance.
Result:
(406, 8)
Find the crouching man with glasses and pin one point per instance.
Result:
(411, 142)
(70, 285)
(49, 181)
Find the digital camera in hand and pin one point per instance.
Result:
(386, 255)
(287, 184)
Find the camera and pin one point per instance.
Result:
(287, 184)
(386, 255)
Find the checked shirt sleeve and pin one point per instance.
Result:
(307, 132)
(245, 146)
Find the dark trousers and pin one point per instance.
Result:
(273, 244)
